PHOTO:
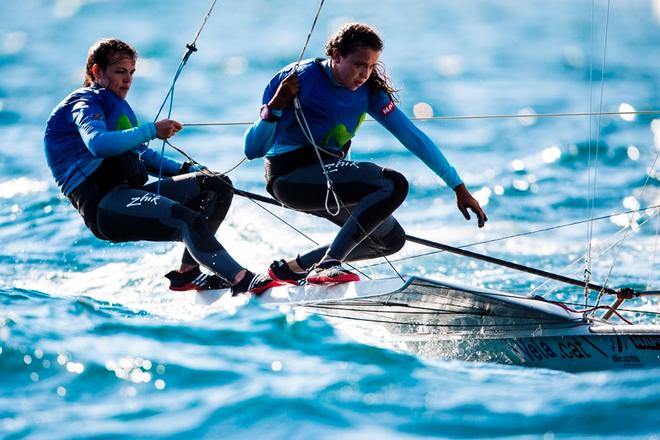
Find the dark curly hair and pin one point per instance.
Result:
(353, 36)
(106, 52)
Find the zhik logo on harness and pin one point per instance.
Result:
(335, 166)
(137, 201)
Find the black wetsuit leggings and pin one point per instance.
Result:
(368, 195)
(189, 209)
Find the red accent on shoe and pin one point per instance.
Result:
(322, 278)
(262, 287)
(194, 279)
(279, 270)
(189, 286)
(273, 275)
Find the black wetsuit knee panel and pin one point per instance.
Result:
(187, 215)
(197, 227)
(396, 239)
(217, 183)
(400, 188)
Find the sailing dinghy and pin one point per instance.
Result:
(443, 320)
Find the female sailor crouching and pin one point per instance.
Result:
(305, 146)
(97, 153)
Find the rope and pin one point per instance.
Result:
(598, 127)
(194, 162)
(307, 132)
(587, 258)
(591, 309)
(620, 244)
(204, 20)
(302, 121)
(254, 199)
(523, 234)
(600, 254)
(309, 35)
(304, 126)
(459, 117)
(190, 48)
(300, 116)
(655, 252)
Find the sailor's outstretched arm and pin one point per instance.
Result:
(423, 147)
(420, 144)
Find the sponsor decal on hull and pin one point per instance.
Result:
(579, 348)
(646, 342)
(570, 348)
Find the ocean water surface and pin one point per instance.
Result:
(93, 345)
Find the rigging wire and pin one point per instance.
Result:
(461, 117)
(523, 234)
(631, 222)
(194, 162)
(190, 49)
(599, 124)
(464, 246)
(655, 252)
(587, 259)
(487, 258)
(309, 35)
(304, 126)
(600, 253)
(307, 132)
(253, 199)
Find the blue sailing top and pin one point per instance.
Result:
(92, 123)
(334, 113)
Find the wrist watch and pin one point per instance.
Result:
(268, 114)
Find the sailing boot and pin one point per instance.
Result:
(255, 284)
(280, 271)
(194, 279)
(331, 272)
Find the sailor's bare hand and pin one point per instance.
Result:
(166, 128)
(285, 92)
(465, 201)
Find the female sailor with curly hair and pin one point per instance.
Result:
(305, 151)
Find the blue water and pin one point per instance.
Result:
(92, 345)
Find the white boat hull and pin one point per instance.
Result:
(441, 320)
